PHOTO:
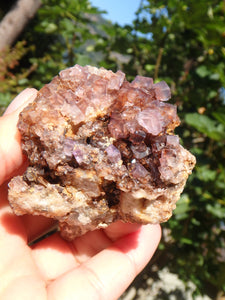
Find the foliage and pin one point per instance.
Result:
(181, 42)
(60, 35)
(187, 46)
(10, 82)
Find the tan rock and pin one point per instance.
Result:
(100, 149)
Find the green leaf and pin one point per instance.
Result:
(5, 99)
(219, 116)
(212, 94)
(50, 28)
(83, 60)
(204, 173)
(149, 67)
(216, 210)
(23, 81)
(215, 76)
(202, 71)
(186, 241)
(182, 207)
(206, 125)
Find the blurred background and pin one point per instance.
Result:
(181, 42)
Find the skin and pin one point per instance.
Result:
(99, 265)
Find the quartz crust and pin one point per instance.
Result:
(100, 149)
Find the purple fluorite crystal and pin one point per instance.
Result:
(113, 154)
(162, 91)
(100, 149)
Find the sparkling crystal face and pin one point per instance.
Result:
(100, 149)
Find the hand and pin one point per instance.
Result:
(99, 265)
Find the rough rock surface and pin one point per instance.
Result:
(100, 149)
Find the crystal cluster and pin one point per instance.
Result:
(100, 149)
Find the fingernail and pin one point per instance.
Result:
(20, 101)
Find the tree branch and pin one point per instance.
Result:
(15, 20)
(158, 62)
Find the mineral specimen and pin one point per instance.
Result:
(100, 149)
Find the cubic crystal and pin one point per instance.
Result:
(100, 149)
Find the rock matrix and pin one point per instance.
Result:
(100, 149)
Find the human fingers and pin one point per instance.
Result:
(109, 273)
(12, 160)
(81, 249)
(30, 227)
(21, 100)
(95, 241)
(18, 272)
(37, 227)
(10, 149)
(53, 257)
(119, 229)
(67, 254)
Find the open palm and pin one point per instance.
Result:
(99, 265)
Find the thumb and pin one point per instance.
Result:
(11, 157)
